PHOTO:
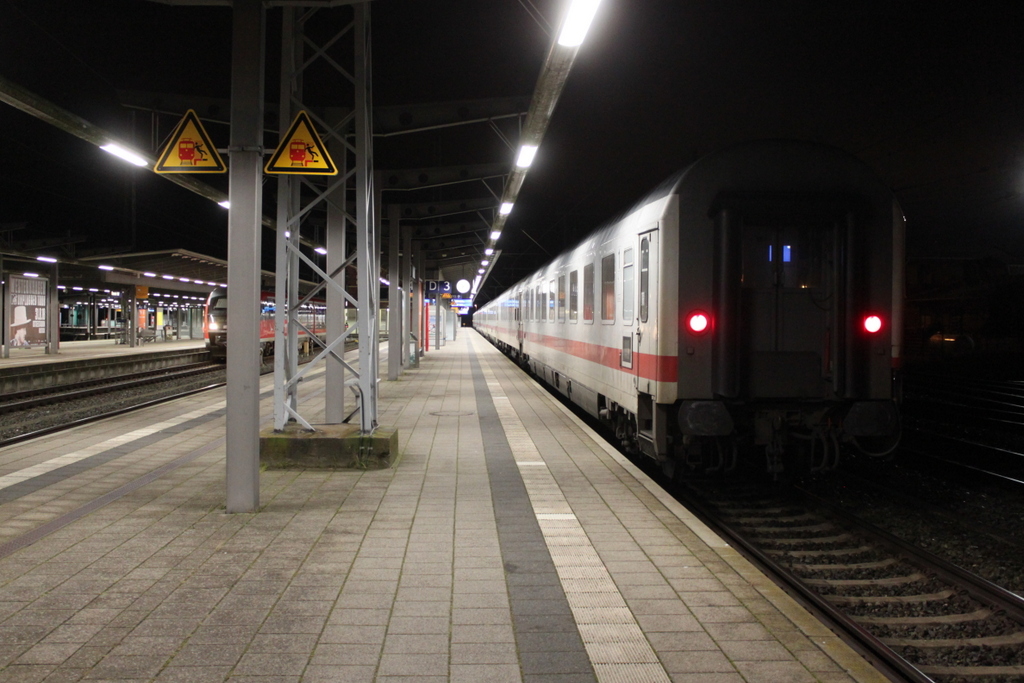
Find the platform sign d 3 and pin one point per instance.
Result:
(301, 151)
(189, 150)
(26, 311)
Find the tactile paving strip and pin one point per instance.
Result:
(613, 639)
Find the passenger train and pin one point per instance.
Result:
(312, 316)
(749, 309)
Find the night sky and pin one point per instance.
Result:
(927, 93)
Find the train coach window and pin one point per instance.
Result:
(561, 298)
(608, 287)
(588, 293)
(645, 276)
(627, 286)
(551, 301)
(574, 295)
(540, 298)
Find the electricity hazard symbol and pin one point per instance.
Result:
(189, 150)
(301, 151)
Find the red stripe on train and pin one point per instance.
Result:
(645, 365)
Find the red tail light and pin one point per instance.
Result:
(872, 324)
(698, 322)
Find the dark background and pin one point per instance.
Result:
(927, 93)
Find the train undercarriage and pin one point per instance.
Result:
(699, 438)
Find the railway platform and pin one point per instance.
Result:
(507, 544)
(94, 349)
(29, 369)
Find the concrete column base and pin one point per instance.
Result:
(332, 446)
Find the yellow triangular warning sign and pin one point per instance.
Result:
(301, 152)
(189, 150)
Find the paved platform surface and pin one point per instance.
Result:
(508, 544)
(98, 348)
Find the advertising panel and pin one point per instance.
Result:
(26, 316)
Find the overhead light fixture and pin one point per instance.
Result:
(526, 155)
(167, 277)
(150, 274)
(577, 22)
(122, 153)
(46, 259)
(31, 274)
(488, 251)
(495, 235)
(226, 204)
(320, 250)
(183, 279)
(485, 262)
(105, 267)
(481, 271)
(506, 208)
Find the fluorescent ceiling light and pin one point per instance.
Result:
(46, 259)
(495, 235)
(122, 153)
(321, 250)
(226, 204)
(167, 277)
(506, 208)
(150, 274)
(577, 23)
(481, 271)
(184, 279)
(488, 251)
(31, 274)
(485, 262)
(105, 267)
(526, 155)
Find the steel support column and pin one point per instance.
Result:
(419, 325)
(395, 294)
(346, 139)
(368, 253)
(4, 303)
(408, 289)
(244, 224)
(285, 340)
(53, 313)
(337, 248)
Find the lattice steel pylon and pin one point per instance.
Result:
(346, 130)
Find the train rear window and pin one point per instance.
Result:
(790, 257)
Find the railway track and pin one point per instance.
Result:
(918, 617)
(33, 398)
(59, 397)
